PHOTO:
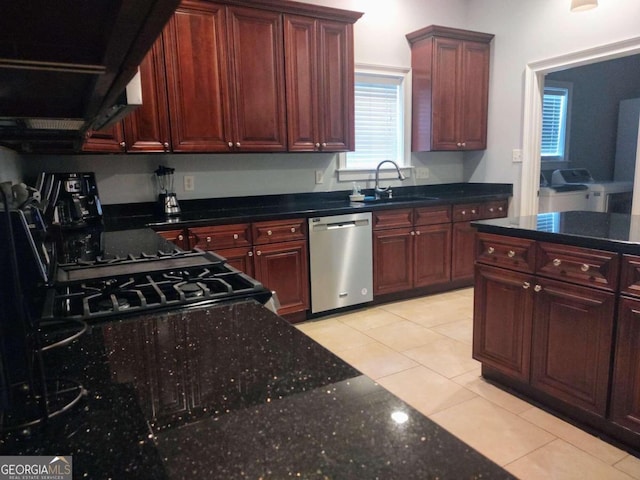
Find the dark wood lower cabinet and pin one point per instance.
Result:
(432, 253)
(392, 260)
(503, 312)
(571, 345)
(625, 396)
(463, 251)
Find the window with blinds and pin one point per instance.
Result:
(379, 116)
(555, 121)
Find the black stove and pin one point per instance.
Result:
(112, 285)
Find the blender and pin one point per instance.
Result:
(167, 197)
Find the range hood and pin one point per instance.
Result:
(65, 66)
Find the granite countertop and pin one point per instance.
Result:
(233, 391)
(616, 232)
(262, 207)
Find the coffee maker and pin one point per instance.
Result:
(70, 199)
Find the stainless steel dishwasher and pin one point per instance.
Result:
(341, 261)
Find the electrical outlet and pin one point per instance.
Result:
(189, 183)
(319, 176)
(516, 155)
(422, 172)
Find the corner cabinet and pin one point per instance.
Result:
(450, 88)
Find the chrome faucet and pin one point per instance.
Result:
(386, 190)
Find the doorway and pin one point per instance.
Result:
(534, 84)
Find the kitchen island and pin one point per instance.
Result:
(233, 391)
(557, 315)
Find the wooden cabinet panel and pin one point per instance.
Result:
(584, 266)
(276, 231)
(402, 217)
(463, 253)
(283, 267)
(572, 341)
(147, 127)
(467, 212)
(630, 275)
(392, 260)
(432, 254)
(494, 209)
(256, 50)
(450, 88)
(110, 140)
(507, 252)
(240, 258)
(503, 309)
(432, 215)
(221, 236)
(625, 396)
(197, 78)
(179, 237)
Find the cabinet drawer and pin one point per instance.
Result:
(432, 215)
(222, 236)
(466, 211)
(508, 252)
(630, 275)
(402, 217)
(494, 209)
(279, 231)
(179, 237)
(595, 268)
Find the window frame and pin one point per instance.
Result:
(346, 174)
(568, 86)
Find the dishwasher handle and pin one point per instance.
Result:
(318, 227)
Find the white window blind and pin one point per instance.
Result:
(378, 121)
(555, 117)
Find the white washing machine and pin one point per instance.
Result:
(563, 198)
(615, 196)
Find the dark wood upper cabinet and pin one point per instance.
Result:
(320, 77)
(450, 88)
(109, 140)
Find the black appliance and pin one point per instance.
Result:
(70, 200)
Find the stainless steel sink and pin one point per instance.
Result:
(399, 199)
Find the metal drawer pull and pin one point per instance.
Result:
(258, 252)
(490, 250)
(511, 254)
(556, 262)
(230, 144)
(537, 288)
(491, 209)
(238, 144)
(463, 212)
(235, 236)
(500, 209)
(526, 285)
(208, 239)
(293, 229)
(250, 254)
(413, 233)
(417, 232)
(584, 267)
(180, 237)
(269, 232)
(473, 211)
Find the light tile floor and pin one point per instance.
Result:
(420, 350)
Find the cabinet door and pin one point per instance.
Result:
(571, 350)
(147, 127)
(474, 94)
(392, 260)
(625, 397)
(463, 251)
(240, 258)
(502, 313)
(178, 237)
(432, 244)
(197, 78)
(256, 48)
(447, 103)
(336, 87)
(110, 140)
(283, 268)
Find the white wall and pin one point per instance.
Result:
(527, 31)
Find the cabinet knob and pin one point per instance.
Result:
(556, 262)
(258, 252)
(491, 209)
(250, 253)
(166, 145)
(123, 145)
(317, 145)
(584, 267)
(500, 209)
(238, 144)
(180, 237)
(458, 144)
(324, 144)
(538, 288)
(417, 232)
(464, 144)
(490, 250)
(413, 233)
(208, 239)
(526, 285)
(511, 254)
(293, 229)
(473, 211)
(463, 212)
(269, 232)
(230, 144)
(235, 236)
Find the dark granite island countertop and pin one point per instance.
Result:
(233, 391)
(607, 231)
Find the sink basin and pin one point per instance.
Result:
(399, 199)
